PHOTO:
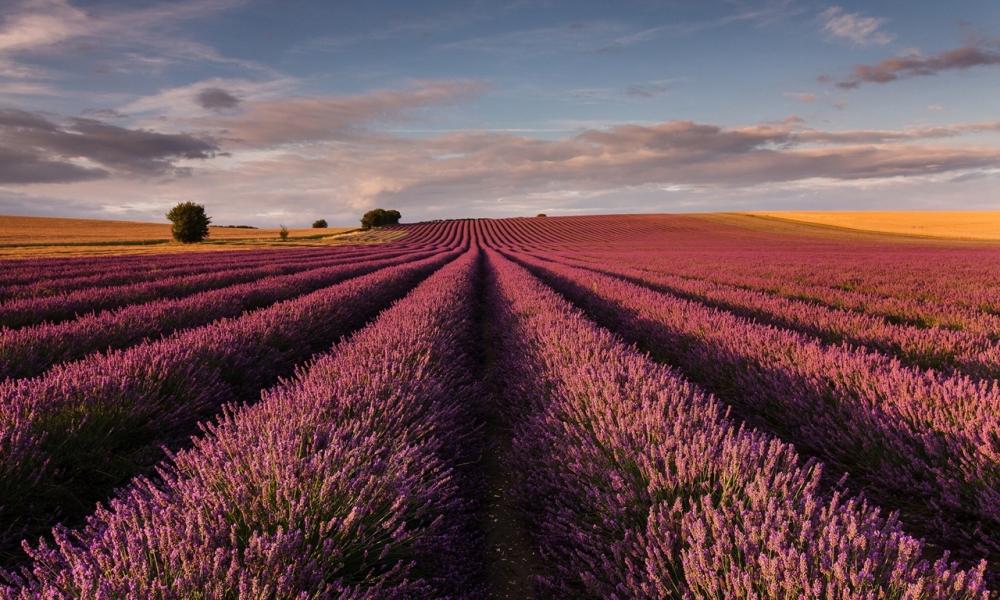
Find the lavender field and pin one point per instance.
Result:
(583, 407)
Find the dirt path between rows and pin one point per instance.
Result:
(510, 559)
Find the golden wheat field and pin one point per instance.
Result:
(45, 236)
(969, 225)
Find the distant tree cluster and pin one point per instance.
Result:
(379, 217)
(320, 224)
(189, 222)
(237, 226)
(542, 214)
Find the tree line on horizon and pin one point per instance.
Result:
(189, 222)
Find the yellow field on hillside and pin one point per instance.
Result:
(22, 237)
(969, 225)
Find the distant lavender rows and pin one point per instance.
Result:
(117, 274)
(894, 286)
(25, 272)
(22, 312)
(961, 291)
(975, 354)
(29, 351)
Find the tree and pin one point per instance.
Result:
(541, 214)
(320, 224)
(190, 223)
(283, 233)
(378, 217)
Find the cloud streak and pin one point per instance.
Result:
(685, 152)
(894, 69)
(853, 27)
(805, 97)
(36, 150)
(329, 118)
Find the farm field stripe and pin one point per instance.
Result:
(53, 309)
(69, 438)
(52, 286)
(976, 355)
(974, 308)
(114, 275)
(894, 275)
(361, 455)
(960, 284)
(916, 441)
(25, 271)
(637, 485)
(30, 351)
(20, 273)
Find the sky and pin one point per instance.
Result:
(271, 112)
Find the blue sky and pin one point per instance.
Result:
(284, 112)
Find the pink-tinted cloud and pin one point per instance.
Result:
(802, 96)
(485, 167)
(684, 153)
(893, 69)
(146, 37)
(41, 23)
(326, 118)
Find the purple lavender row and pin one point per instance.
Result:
(917, 284)
(919, 442)
(55, 309)
(26, 271)
(974, 354)
(22, 272)
(71, 282)
(344, 482)
(932, 306)
(29, 351)
(72, 277)
(70, 437)
(637, 485)
(959, 277)
(962, 279)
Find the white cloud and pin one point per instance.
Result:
(179, 103)
(127, 40)
(854, 28)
